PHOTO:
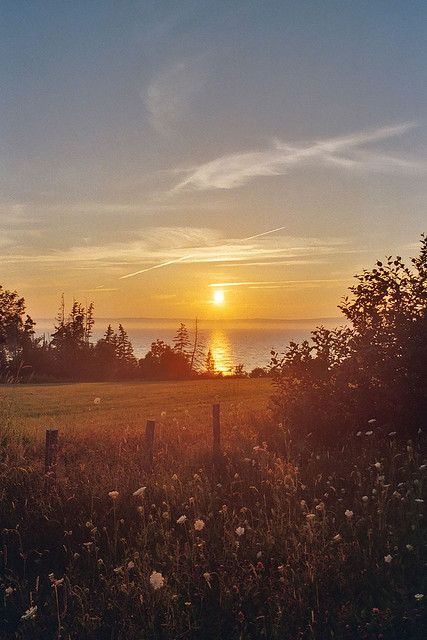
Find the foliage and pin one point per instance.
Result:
(16, 333)
(376, 367)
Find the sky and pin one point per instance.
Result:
(154, 153)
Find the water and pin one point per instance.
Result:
(232, 342)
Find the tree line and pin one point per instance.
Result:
(71, 353)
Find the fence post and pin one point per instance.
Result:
(216, 427)
(51, 457)
(149, 445)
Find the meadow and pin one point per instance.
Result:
(282, 541)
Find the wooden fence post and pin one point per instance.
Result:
(149, 445)
(51, 457)
(216, 427)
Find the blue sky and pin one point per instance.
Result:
(135, 134)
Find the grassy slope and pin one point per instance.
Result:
(127, 405)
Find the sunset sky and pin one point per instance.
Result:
(266, 150)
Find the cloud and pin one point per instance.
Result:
(279, 284)
(159, 247)
(169, 96)
(236, 169)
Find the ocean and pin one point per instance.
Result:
(232, 342)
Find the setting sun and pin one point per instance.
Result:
(218, 296)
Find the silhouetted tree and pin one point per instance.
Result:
(162, 362)
(181, 341)
(210, 364)
(376, 368)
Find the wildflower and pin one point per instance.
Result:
(97, 401)
(419, 500)
(139, 492)
(348, 514)
(199, 525)
(359, 433)
(157, 581)
(369, 433)
(140, 509)
(310, 516)
(8, 591)
(372, 421)
(337, 537)
(388, 558)
(113, 495)
(54, 581)
(377, 465)
(423, 466)
(240, 531)
(181, 519)
(207, 576)
(419, 596)
(30, 613)
(365, 498)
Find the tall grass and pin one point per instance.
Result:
(332, 547)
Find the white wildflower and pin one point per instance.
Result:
(30, 613)
(388, 558)
(348, 514)
(139, 492)
(157, 581)
(113, 495)
(419, 596)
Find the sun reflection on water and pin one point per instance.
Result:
(220, 347)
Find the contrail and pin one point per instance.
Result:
(156, 266)
(183, 258)
(258, 235)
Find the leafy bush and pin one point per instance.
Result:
(375, 367)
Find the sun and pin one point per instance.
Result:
(218, 296)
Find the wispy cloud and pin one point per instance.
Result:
(164, 246)
(169, 96)
(236, 169)
(277, 284)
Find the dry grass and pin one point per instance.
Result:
(276, 557)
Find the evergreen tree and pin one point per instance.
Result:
(210, 364)
(181, 342)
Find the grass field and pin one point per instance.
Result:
(281, 543)
(126, 406)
